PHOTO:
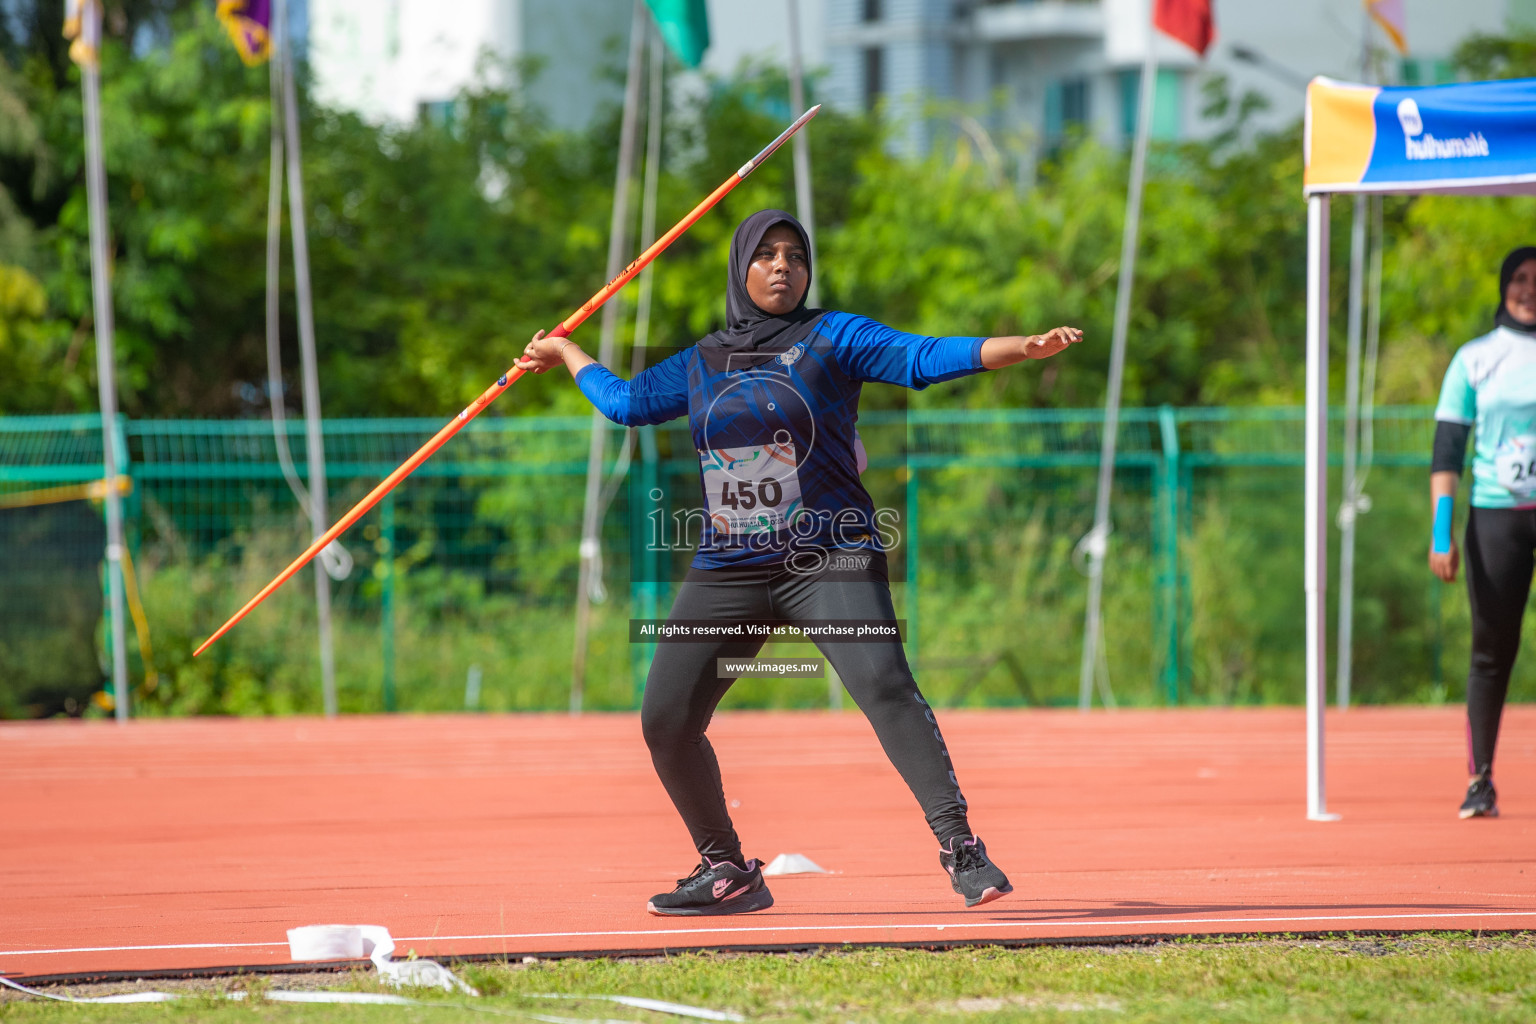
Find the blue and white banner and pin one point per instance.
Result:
(1478, 137)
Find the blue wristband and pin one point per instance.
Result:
(1442, 534)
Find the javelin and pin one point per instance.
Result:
(507, 379)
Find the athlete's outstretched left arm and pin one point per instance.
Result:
(999, 352)
(869, 350)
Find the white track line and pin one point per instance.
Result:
(768, 929)
(130, 949)
(1134, 922)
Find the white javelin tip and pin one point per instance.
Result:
(767, 151)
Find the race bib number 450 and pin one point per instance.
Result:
(1515, 464)
(751, 489)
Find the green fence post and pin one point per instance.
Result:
(1183, 503)
(119, 442)
(387, 596)
(105, 664)
(912, 544)
(133, 502)
(1167, 484)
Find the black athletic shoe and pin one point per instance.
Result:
(1481, 801)
(715, 887)
(972, 872)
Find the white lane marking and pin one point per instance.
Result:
(1056, 923)
(974, 924)
(130, 949)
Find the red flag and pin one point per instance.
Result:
(1188, 21)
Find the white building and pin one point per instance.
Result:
(1030, 71)
(1039, 69)
(391, 60)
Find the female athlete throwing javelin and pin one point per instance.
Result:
(789, 534)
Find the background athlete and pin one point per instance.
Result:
(1491, 387)
(771, 402)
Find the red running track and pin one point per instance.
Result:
(168, 845)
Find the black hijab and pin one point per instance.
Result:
(1501, 316)
(751, 336)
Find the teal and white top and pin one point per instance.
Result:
(1491, 386)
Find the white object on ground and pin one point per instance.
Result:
(131, 997)
(354, 941)
(276, 996)
(316, 941)
(661, 1006)
(794, 864)
(286, 996)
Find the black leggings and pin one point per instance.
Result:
(683, 689)
(1500, 547)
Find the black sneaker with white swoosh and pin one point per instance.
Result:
(715, 887)
(1482, 799)
(971, 872)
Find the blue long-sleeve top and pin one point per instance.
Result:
(776, 442)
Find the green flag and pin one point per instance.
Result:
(684, 25)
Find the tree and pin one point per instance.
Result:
(439, 248)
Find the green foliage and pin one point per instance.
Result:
(443, 623)
(1486, 56)
(37, 355)
(997, 621)
(438, 247)
(1441, 285)
(935, 246)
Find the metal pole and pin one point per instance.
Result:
(274, 259)
(805, 205)
(1348, 508)
(314, 442)
(643, 574)
(589, 577)
(1372, 347)
(1097, 546)
(653, 121)
(1316, 553)
(106, 360)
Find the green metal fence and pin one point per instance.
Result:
(469, 568)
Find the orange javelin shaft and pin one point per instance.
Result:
(509, 378)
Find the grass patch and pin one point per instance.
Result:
(1441, 977)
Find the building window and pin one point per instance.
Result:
(1167, 103)
(874, 76)
(872, 10)
(1066, 108)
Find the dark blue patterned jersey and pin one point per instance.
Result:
(777, 463)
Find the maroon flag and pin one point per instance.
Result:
(249, 24)
(1188, 21)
